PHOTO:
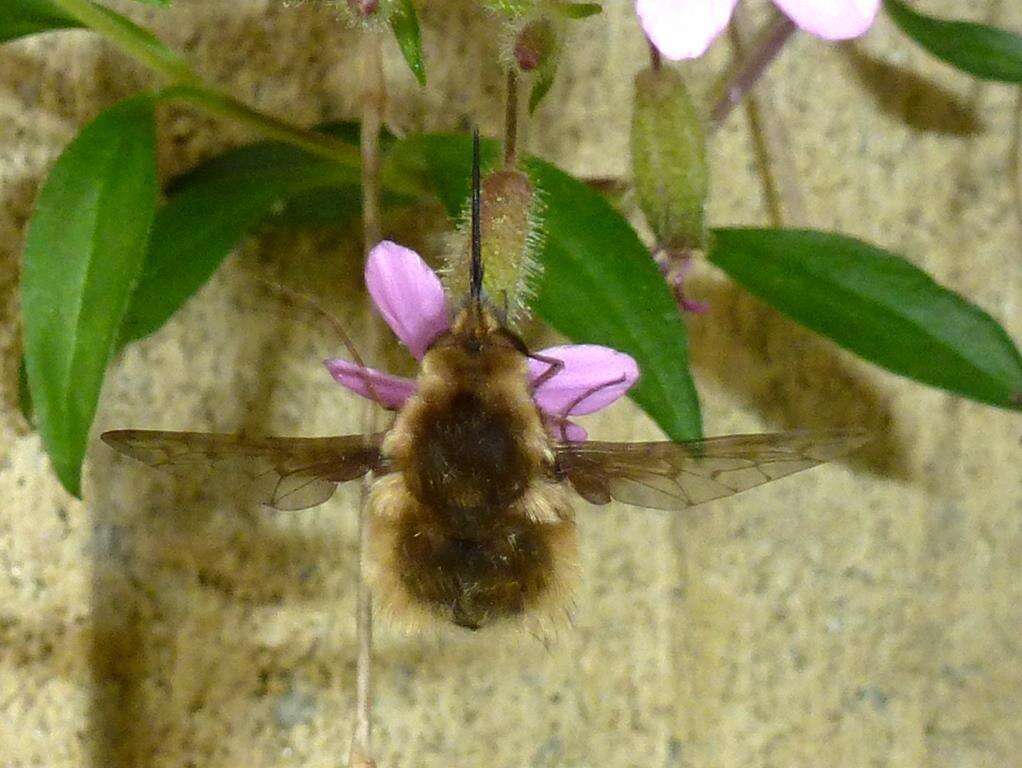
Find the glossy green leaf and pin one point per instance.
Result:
(877, 305)
(405, 24)
(84, 251)
(28, 17)
(139, 42)
(212, 208)
(209, 212)
(599, 284)
(986, 52)
(25, 17)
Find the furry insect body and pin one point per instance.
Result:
(470, 519)
(469, 525)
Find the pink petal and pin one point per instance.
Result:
(597, 375)
(408, 294)
(683, 29)
(564, 430)
(391, 391)
(831, 19)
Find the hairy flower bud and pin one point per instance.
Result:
(669, 159)
(509, 222)
(535, 44)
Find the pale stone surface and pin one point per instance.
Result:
(866, 613)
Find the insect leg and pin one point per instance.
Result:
(556, 366)
(296, 297)
(562, 417)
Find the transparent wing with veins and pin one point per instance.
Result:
(672, 476)
(286, 473)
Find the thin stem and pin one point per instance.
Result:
(222, 105)
(133, 40)
(655, 61)
(373, 100)
(511, 120)
(373, 97)
(773, 147)
(748, 73)
(187, 87)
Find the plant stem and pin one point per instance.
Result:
(222, 105)
(130, 38)
(373, 101)
(655, 60)
(748, 73)
(511, 120)
(187, 87)
(773, 148)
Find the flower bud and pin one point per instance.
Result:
(366, 14)
(535, 44)
(669, 160)
(363, 8)
(509, 220)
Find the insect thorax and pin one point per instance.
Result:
(474, 438)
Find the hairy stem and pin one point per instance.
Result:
(373, 100)
(741, 81)
(511, 120)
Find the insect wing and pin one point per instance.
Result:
(672, 476)
(286, 473)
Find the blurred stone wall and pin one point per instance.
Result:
(866, 613)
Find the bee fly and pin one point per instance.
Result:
(470, 514)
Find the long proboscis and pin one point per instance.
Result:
(476, 284)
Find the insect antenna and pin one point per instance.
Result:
(476, 284)
(297, 298)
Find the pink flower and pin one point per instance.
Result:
(411, 299)
(684, 29)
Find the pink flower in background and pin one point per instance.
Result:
(684, 29)
(411, 299)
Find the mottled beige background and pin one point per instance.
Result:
(863, 614)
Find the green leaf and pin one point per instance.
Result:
(577, 10)
(210, 210)
(986, 52)
(541, 87)
(214, 206)
(141, 43)
(599, 284)
(877, 305)
(83, 254)
(27, 17)
(405, 24)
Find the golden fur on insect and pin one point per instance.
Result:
(469, 526)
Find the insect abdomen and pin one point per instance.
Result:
(427, 568)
